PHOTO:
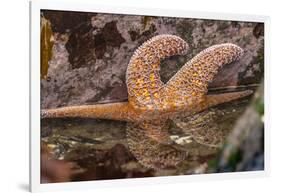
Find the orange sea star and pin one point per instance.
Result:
(151, 102)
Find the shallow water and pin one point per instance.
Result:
(99, 148)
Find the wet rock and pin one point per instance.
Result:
(66, 21)
(109, 164)
(108, 36)
(82, 50)
(254, 72)
(258, 30)
(119, 155)
(53, 170)
(93, 44)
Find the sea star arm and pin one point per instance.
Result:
(190, 83)
(216, 99)
(142, 76)
(113, 111)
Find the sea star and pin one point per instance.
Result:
(151, 102)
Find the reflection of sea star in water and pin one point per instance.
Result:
(151, 102)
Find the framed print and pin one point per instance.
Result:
(123, 96)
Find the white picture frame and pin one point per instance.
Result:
(36, 6)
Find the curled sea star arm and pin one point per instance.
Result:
(190, 83)
(114, 111)
(142, 76)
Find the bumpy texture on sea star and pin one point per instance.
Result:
(151, 102)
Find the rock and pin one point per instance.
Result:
(66, 21)
(53, 170)
(93, 46)
(82, 50)
(108, 164)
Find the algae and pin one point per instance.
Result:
(46, 46)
